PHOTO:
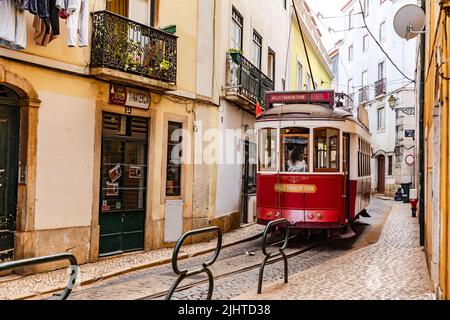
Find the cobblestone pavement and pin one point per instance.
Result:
(392, 269)
(14, 287)
(140, 284)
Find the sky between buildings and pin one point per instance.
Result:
(329, 8)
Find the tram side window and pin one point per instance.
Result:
(326, 150)
(267, 157)
(295, 150)
(364, 158)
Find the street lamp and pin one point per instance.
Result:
(392, 102)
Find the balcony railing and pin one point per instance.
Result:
(125, 45)
(245, 79)
(349, 100)
(363, 94)
(380, 87)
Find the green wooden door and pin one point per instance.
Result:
(124, 184)
(9, 141)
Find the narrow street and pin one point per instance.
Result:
(236, 270)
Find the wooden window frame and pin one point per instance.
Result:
(184, 126)
(302, 135)
(258, 168)
(338, 156)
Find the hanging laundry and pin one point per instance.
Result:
(78, 23)
(13, 25)
(62, 5)
(46, 22)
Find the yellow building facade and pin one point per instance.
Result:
(94, 131)
(299, 73)
(437, 144)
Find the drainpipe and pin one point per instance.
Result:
(421, 138)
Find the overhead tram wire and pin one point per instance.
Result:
(304, 44)
(363, 14)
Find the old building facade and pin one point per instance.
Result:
(381, 87)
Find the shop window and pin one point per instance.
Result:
(295, 150)
(326, 150)
(174, 159)
(267, 150)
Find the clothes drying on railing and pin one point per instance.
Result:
(13, 22)
(77, 12)
(13, 25)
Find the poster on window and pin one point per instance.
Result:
(135, 172)
(112, 189)
(115, 173)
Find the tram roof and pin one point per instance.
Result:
(306, 111)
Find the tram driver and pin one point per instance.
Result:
(296, 162)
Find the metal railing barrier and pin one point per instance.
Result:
(12, 265)
(182, 274)
(270, 255)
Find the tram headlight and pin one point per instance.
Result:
(319, 216)
(310, 216)
(278, 215)
(269, 214)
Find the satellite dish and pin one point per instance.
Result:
(409, 21)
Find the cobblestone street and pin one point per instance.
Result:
(153, 281)
(393, 268)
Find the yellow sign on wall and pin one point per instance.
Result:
(296, 188)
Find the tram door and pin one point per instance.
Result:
(346, 170)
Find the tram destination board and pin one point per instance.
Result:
(318, 96)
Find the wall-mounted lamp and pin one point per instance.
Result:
(392, 102)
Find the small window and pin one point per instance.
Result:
(366, 8)
(390, 165)
(295, 150)
(350, 53)
(257, 49)
(299, 76)
(382, 34)
(174, 159)
(365, 43)
(381, 118)
(267, 158)
(236, 30)
(326, 150)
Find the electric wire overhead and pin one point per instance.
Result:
(304, 44)
(363, 14)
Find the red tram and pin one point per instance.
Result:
(313, 162)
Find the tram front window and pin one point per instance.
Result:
(268, 150)
(295, 149)
(326, 150)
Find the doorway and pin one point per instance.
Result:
(248, 178)
(9, 153)
(123, 184)
(381, 174)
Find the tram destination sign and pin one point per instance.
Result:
(322, 97)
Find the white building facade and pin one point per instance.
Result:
(374, 84)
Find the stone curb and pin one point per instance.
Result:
(126, 270)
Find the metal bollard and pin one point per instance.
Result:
(269, 255)
(182, 274)
(12, 265)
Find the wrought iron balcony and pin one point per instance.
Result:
(349, 100)
(122, 44)
(363, 94)
(380, 87)
(245, 83)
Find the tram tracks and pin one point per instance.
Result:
(243, 270)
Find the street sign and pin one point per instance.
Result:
(410, 133)
(410, 160)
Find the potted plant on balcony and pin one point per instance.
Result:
(235, 55)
